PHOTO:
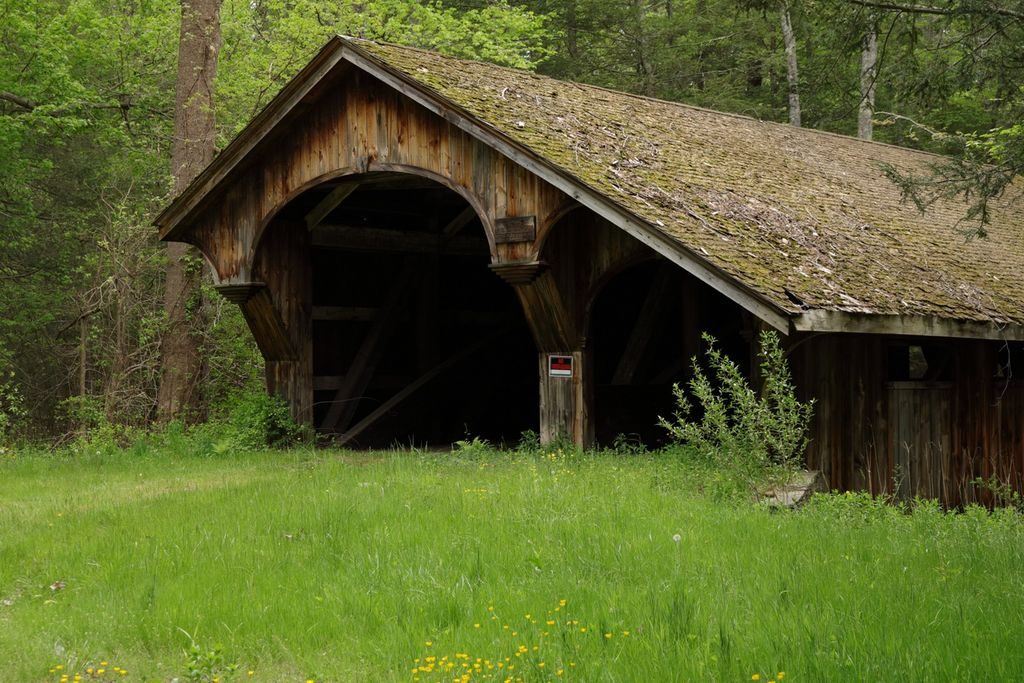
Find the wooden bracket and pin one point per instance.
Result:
(264, 319)
(239, 293)
(519, 272)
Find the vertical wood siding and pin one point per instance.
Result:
(928, 439)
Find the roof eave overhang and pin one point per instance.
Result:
(904, 325)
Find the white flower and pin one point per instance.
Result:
(677, 538)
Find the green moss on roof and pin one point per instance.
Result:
(805, 218)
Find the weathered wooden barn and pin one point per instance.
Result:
(427, 247)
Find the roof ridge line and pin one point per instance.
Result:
(683, 105)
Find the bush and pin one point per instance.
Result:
(738, 428)
(12, 407)
(256, 420)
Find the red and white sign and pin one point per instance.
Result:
(560, 366)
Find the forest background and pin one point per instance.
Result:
(87, 128)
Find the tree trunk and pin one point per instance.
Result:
(868, 76)
(192, 150)
(571, 32)
(792, 75)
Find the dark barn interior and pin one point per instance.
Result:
(644, 331)
(401, 286)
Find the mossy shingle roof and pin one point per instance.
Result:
(805, 219)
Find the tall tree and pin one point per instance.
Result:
(868, 76)
(192, 149)
(792, 72)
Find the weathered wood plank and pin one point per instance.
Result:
(515, 229)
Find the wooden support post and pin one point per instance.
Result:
(458, 223)
(278, 309)
(566, 401)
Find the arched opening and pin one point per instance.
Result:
(644, 327)
(414, 339)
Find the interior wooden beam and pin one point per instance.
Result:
(456, 224)
(329, 203)
(653, 310)
(402, 241)
(346, 399)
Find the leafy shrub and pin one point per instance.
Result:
(256, 420)
(12, 407)
(529, 442)
(208, 666)
(472, 447)
(1003, 493)
(856, 507)
(91, 431)
(737, 427)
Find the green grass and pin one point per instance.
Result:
(343, 567)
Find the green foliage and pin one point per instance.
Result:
(256, 420)
(268, 41)
(737, 427)
(208, 665)
(12, 407)
(982, 168)
(1004, 494)
(472, 447)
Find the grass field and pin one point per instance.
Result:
(363, 567)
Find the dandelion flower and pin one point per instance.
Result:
(755, 677)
